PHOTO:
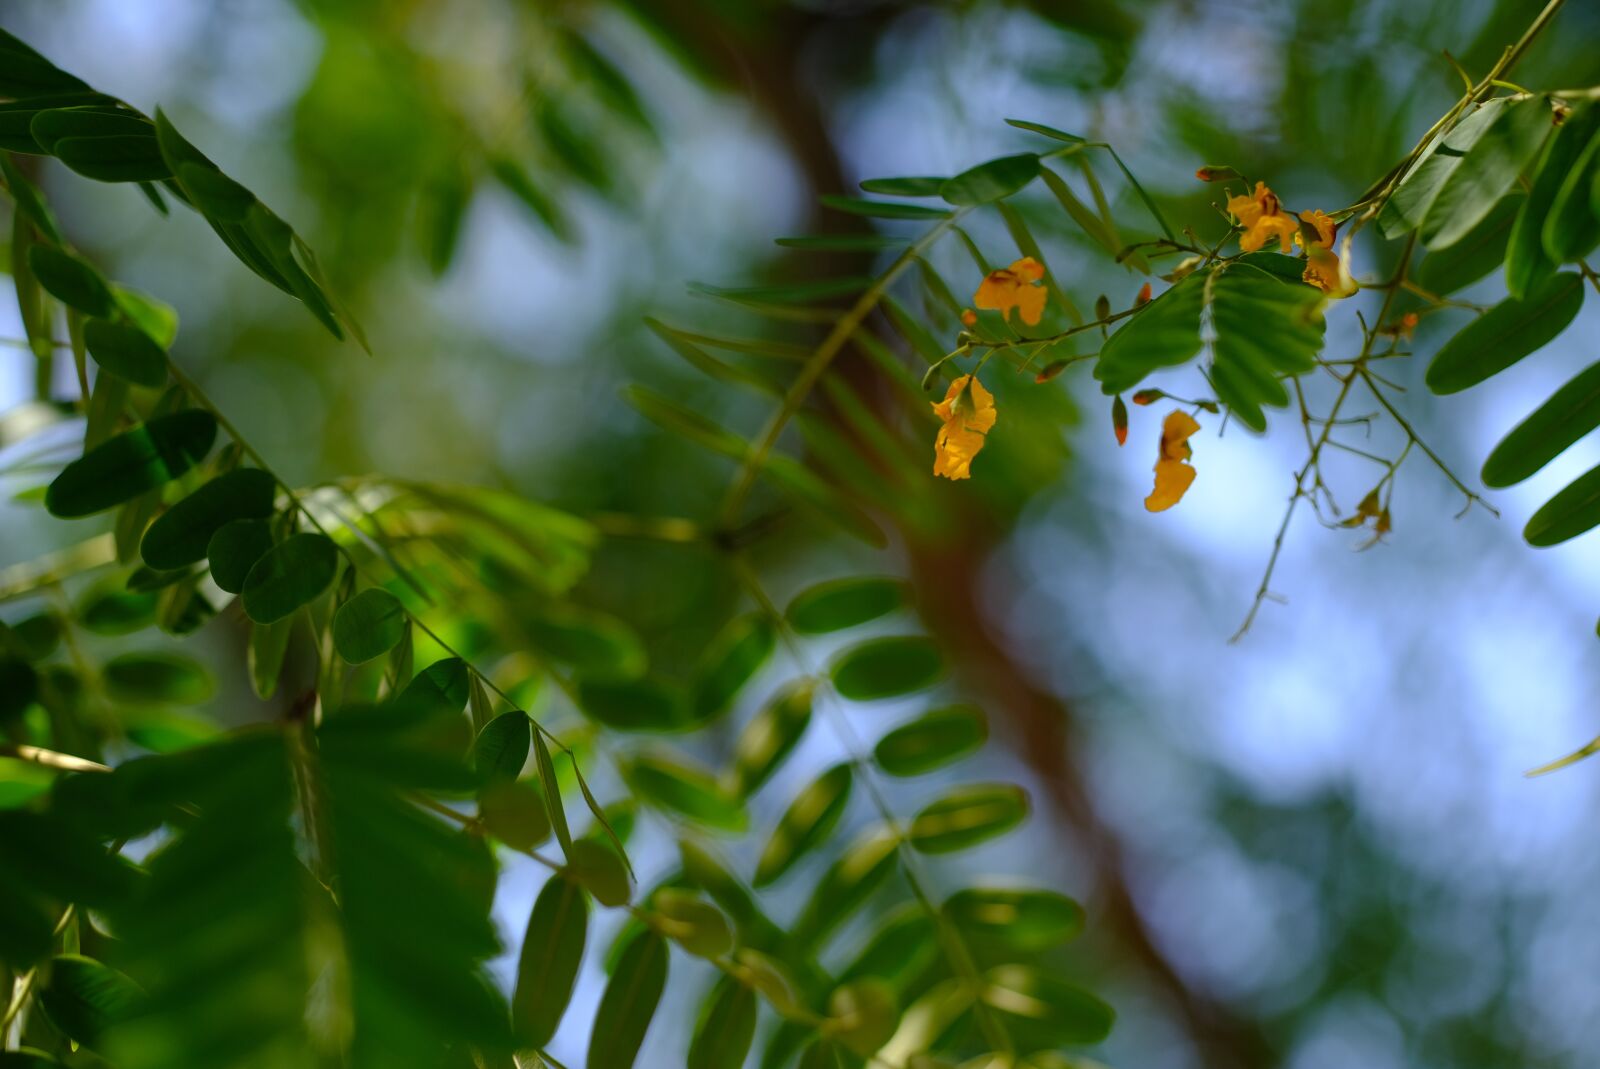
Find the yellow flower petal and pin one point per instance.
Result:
(1014, 287)
(1174, 474)
(968, 415)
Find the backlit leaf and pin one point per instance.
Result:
(368, 625)
(770, 737)
(967, 816)
(806, 824)
(292, 573)
(1019, 919)
(1505, 334)
(932, 741)
(686, 790)
(131, 463)
(547, 968)
(887, 667)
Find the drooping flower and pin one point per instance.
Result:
(1016, 287)
(1319, 221)
(1330, 271)
(1263, 218)
(968, 413)
(1174, 473)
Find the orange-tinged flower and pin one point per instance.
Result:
(1323, 224)
(968, 413)
(1263, 218)
(1144, 296)
(969, 318)
(1016, 287)
(1174, 473)
(1330, 271)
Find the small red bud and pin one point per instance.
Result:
(1144, 296)
(1119, 420)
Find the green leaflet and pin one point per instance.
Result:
(71, 280)
(967, 816)
(552, 791)
(1570, 413)
(887, 667)
(861, 869)
(904, 187)
(733, 657)
(991, 181)
(1414, 196)
(131, 463)
(234, 550)
(629, 1003)
(599, 868)
(840, 603)
(1573, 511)
(1505, 334)
(806, 824)
(501, 748)
(881, 209)
(179, 537)
(770, 736)
(725, 1028)
(939, 738)
(547, 968)
(514, 813)
(1527, 262)
(126, 352)
(87, 1000)
(368, 625)
(1489, 169)
(1045, 1010)
(290, 574)
(647, 704)
(1572, 228)
(692, 922)
(157, 678)
(1475, 255)
(684, 789)
(1019, 919)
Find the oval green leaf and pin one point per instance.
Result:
(647, 704)
(501, 748)
(552, 952)
(932, 741)
(841, 603)
(1487, 171)
(1572, 412)
(127, 352)
(806, 824)
(1505, 334)
(848, 883)
(552, 792)
(87, 1000)
(629, 1003)
(1020, 919)
(770, 736)
(71, 281)
(863, 1015)
(1572, 229)
(725, 1028)
(514, 813)
(599, 868)
(1048, 1010)
(291, 574)
(732, 658)
(123, 467)
(157, 679)
(596, 645)
(234, 550)
(686, 790)
(918, 186)
(1527, 263)
(692, 922)
(369, 625)
(991, 181)
(967, 816)
(887, 667)
(181, 535)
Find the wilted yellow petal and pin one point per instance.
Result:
(1174, 474)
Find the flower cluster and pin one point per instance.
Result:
(1263, 217)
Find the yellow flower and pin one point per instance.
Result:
(968, 413)
(1016, 287)
(1263, 218)
(1174, 473)
(1323, 224)
(1330, 271)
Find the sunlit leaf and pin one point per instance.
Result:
(806, 824)
(131, 463)
(1019, 919)
(770, 737)
(887, 667)
(629, 1003)
(292, 573)
(932, 741)
(968, 815)
(686, 790)
(547, 968)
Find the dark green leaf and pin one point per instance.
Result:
(290, 574)
(181, 535)
(552, 951)
(725, 1028)
(126, 352)
(1487, 171)
(887, 667)
(443, 685)
(905, 944)
(647, 704)
(806, 824)
(597, 645)
(629, 1003)
(1165, 333)
(25, 73)
(683, 789)
(1019, 919)
(19, 686)
(864, 1013)
(133, 462)
(1505, 334)
(157, 678)
(269, 643)
(87, 1000)
(71, 280)
(728, 663)
(1047, 131)
(991, 181)
(770, 737)
(840, 603)
(1572, 228)
(843, 242)
(1475, 255)
(513, 811)
(1572, 412)
(967, 816)
(369, 625)
(932, 741)
(1527, 263)
(501, 748)
(234, 550)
